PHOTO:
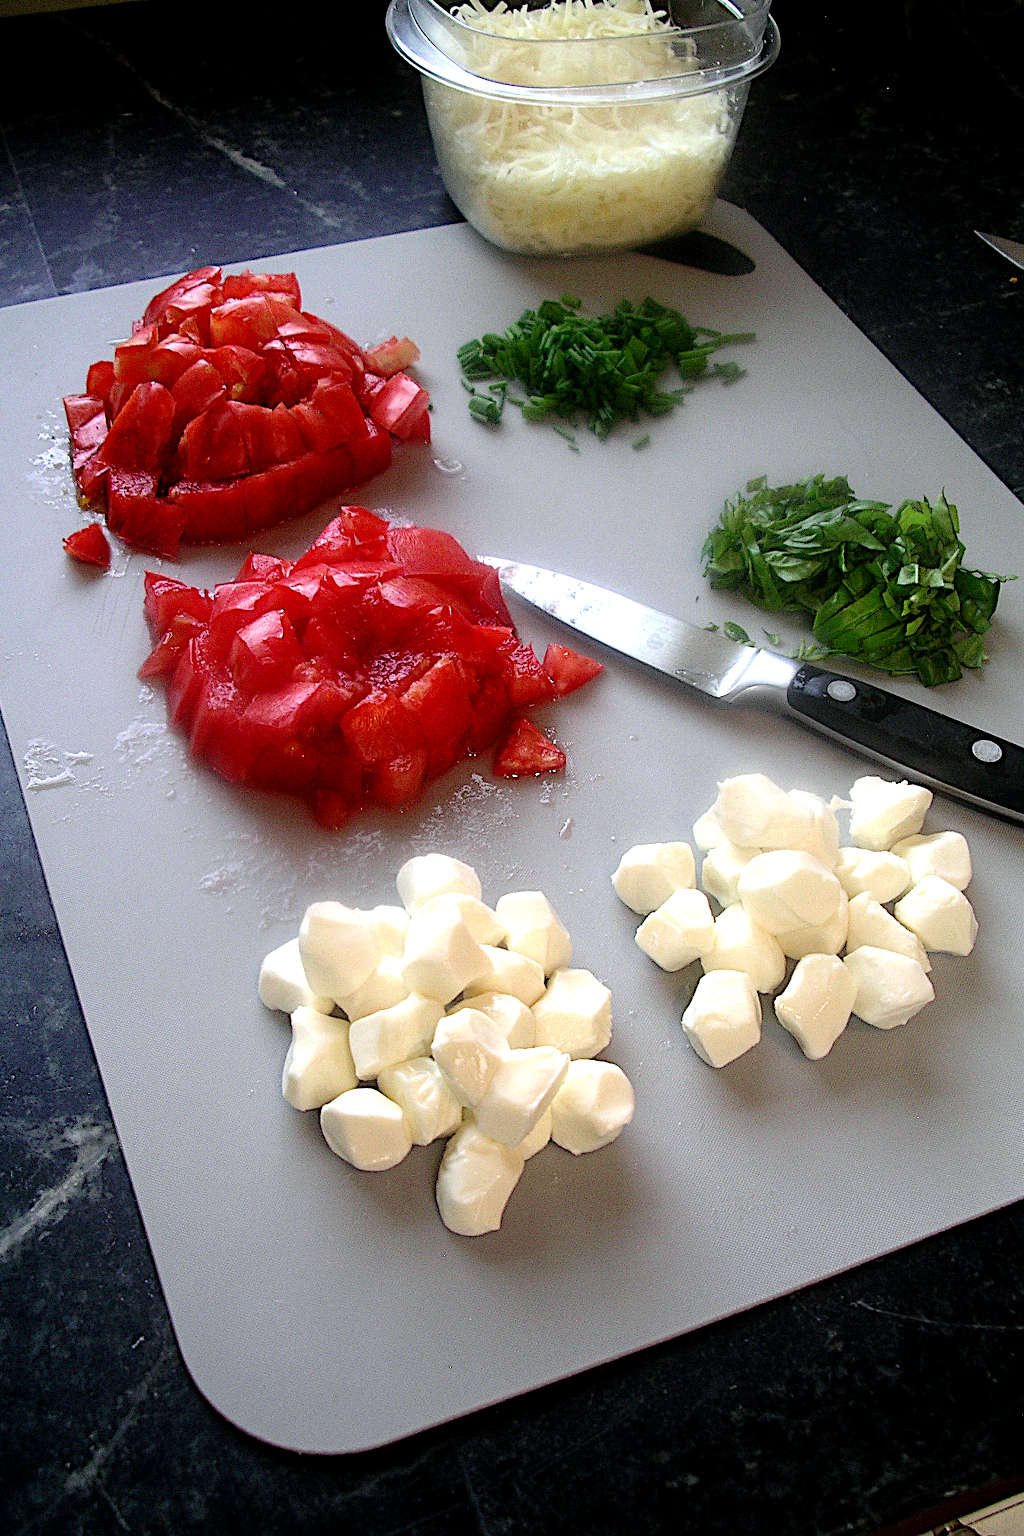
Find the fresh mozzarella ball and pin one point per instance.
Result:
(533, 928)
(441, 954)
(825, 938)
(720, 872)
(390, 924)
(678, 932)
(707, 831)
(574, 1014)
(820, 831)
(385, 1038)
(283, 984)
(433, 874)
(885, 812)
(754, 812)
(648, 873)
(506, 971)
(785, 889)
(938, 853)
(512, 1016)
(723, 1018)
(538, 1137)
(383, 987)
(522, 1088)
(741, 944)
(891, 988)
(339, 948)
(418, 1088)
(747, 806)
(592, 1107)
(865, 872)
(468, 1047)
(940, 915)
(482, 923)
(318, 1065)
(367, 1129)
(816, 1004)
(476, 1177)
(870, 923)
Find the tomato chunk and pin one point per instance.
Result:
(89, 546)
(526, 750)
(242, 408)
(353, 675)
(569, 669)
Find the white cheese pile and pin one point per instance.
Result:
(828, 931)
(543, 179)
(444, 1018)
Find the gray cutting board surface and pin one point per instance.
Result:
(328, 1310)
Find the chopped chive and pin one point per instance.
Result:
(604, 369)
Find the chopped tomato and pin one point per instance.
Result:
(89, 545)
(241, 408)
(526, 750)
(353, 675)
(569, 669)
(387, 357)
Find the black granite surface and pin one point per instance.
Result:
(144, 138)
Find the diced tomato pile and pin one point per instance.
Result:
(353, 675)
(230, 409)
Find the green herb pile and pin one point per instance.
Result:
(887, 587)
(604, 368)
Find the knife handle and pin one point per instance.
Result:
(971, 764)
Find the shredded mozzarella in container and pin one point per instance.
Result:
(549, 179)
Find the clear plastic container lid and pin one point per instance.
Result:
(713, 44)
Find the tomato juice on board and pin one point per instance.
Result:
(230, 409)
(351, 676)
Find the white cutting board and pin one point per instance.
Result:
(327, 1310)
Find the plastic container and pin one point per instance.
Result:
(565, 145)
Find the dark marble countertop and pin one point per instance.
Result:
(141, 139)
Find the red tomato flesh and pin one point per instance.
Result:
(351, 676)
(89, 546)
(223, 382)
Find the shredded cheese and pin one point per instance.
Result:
(547, 179)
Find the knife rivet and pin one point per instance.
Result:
(987, 751)
(842, 690)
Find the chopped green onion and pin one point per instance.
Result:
(606, 368)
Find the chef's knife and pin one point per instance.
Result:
(973, 765)
(1013, 250)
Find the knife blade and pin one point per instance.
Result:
(1013, 250)
(958, 759)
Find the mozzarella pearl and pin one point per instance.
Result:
(574, 1014)
(940, 915)
(723, 1018)
(592, 1107)
(434, 874)
(891, 988)
(474, 1181)
(418, 1087)
(678, 932)
(870, 923)
(367, 1129)
(648, 873)
(884, 812)
(817, 1002)
(741, 944)
(318, 1064)
(937, 853)
(339, 948)
(283, 984)
(533, 928)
